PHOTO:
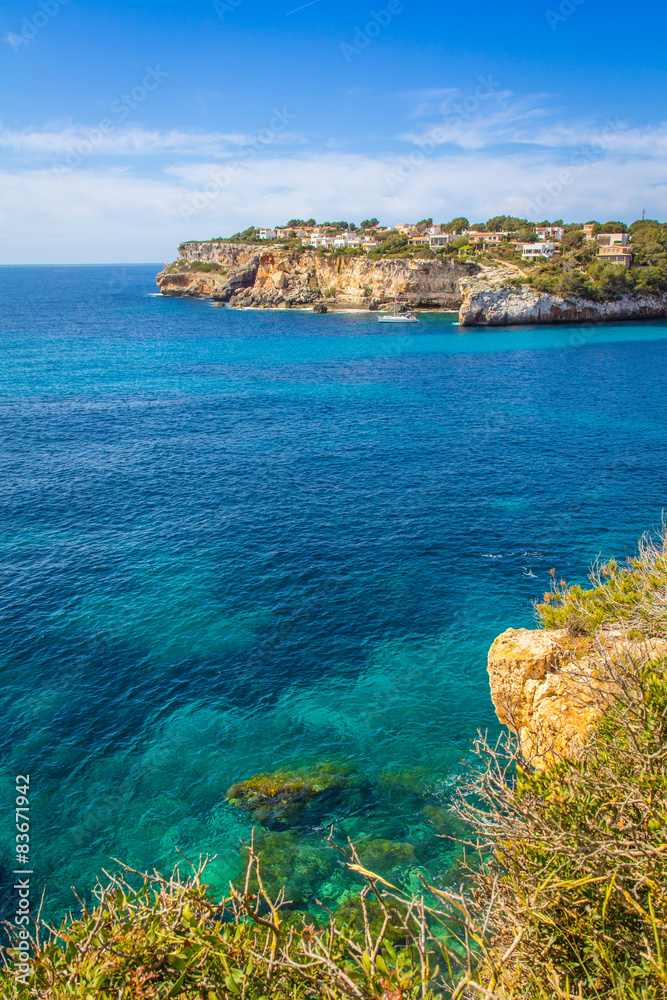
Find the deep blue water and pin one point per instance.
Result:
(232, 541)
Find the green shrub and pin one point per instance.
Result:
(168, 937)
(578, 861)
(207, 267)
(632, 595)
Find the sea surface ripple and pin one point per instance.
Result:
(232, 541)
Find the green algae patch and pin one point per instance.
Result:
(414, 781)
(350, 914)
(294, 796)
(291, 864)
(384, 854)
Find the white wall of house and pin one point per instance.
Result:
(531, 251)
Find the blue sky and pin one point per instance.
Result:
(126, 129)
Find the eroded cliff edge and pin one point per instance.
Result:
(548, 687)
(245, 275)
(485, 295)
(494, 297)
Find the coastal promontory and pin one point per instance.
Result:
(274, 277)
(485, 293)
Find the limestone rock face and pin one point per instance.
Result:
(492, 298)
(549, 687)
(274, 277)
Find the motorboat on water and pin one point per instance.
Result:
(396, 316)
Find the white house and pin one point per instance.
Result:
(532, 251)
(612, 239)
(549, 232)
(347, 240)
(319, 241)
(441, 239)
(267, 234)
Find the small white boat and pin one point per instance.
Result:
(397, 317)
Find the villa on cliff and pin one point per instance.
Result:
(612, 248)
(321, 236)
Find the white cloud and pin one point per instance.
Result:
(149, 189)
(133, 141)
(95, 215)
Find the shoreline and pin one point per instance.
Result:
(243, 277)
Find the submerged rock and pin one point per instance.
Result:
(383, 854)
(294, 796)
(289, 863)
(411, 781)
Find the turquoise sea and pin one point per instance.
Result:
(232, 541)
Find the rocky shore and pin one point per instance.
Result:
(493, 297)
(488, 295)
(243, 275)
(549, 686)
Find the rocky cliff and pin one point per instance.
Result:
(486, 295)
(494, 297)
(273, 277)
(548, 687)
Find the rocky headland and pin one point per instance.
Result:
(243, 275)
(495, 297)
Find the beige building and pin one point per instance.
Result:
(616, 254)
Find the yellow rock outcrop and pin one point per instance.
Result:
(273, 277)
(549, 687)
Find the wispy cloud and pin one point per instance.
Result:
(503, 119)
(496, 153)
(130, 141)
(110, 215)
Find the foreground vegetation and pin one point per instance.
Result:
(562, 892)
(630, 595)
